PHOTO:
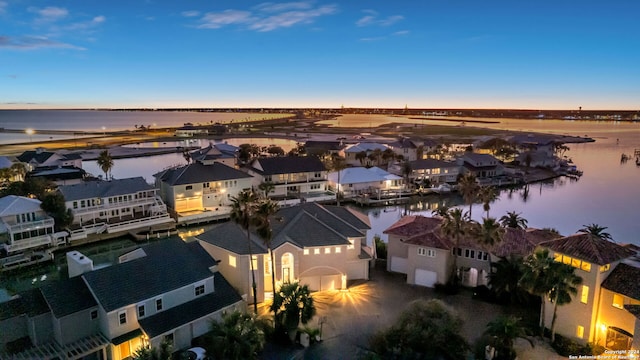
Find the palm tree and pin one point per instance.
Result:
(243, 208)
(441, 211)
(406, 173)
(455, 225)
(536, 280)
(468, 188)
(564, 284)
(293, 305)
(149, 353)
(338, 163)
(596, 231)
(376, 155)
(504, 330)
(264, 213)
(267, 187)
(18, 171)
(490, 232)
(387, 155)
(187, 156)
(105, 162)
(361, 156)
(237, 336)
(487, 195)
(504, 279)
(513, 220)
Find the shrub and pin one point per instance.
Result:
(381, 248)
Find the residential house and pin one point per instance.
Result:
(431, 149)
(359, 180)
(25, 226)
(536, 143)
(41, 157)
(319, 148)
(189, 130)
(164, 291)
(361, 154)
(481, 165)
(10, 170)
(113, 206)
(406, 148)
(198, 191)
(218, 152)
(291, 176)
(59, 175)
(321, 246)
(603, 309)
(435, 171)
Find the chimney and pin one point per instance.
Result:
(78, 264)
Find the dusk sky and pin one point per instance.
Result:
(559, 54)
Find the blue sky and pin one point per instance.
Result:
(542, 54)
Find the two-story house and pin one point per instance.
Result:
(321, 246)
(406, 148)
(164, 291)
(218, 152)
(435, 171)
(113, 206)
(200, 192)
(25, 226)
(41, 157)
(359, 154)
(360, 180)
(598, 312)
(481, 165)
(291, 176)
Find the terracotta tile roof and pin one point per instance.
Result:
(624, 280)
(521, 242)
(589, 248)
(413, 225)
(634, 309)
(430, 239)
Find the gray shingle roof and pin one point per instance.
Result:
(57, 296)
(288, 165)
(39, 157)
(169, 264)
(102, 189)
(198, 173)
(306, 231)
(223, 296)
(624, 280)
(30, 303)
(232, 237)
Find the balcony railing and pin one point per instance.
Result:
(28, 226)
(113, 206)
(21, 245)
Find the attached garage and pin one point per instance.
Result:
(399, 264)
(188, 204)
(320, 283)
(426, 278)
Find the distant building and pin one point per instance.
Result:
(291, 176)
(41, 157)
(221, 153)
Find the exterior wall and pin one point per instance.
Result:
(323, 263)
(440, 264)
(610, 315)
(76, 326)
(93, 206)
(437, 175)
(41, 329)
(303, 181)
(12, 329)
(396, 248)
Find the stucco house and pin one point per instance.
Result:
(360, 180)
(167, 290)
(406, 148)
(605, 310)
(198, 191)
(113, 206)
(321, 246)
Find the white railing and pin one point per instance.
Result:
(136, 223)
(21, 245)
(38, 224)
(117, 205)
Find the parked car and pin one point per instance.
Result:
(195, 353)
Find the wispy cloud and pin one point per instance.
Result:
(85, 25)
(49, 13)
(33, 42)
(379, 38)
(266, 16)
(3, 7)
(372, 18)
(191, 13)
(401, 33)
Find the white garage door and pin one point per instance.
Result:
(398, 264)
(326, 282)
(188, 204)
(426, 278)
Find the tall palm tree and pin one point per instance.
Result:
(513, 220)
(264, 214)
(406, 173)
(293, 305)
(455, 225)
(238, 336)
(105, 162)
(338, 163)
(490, 232)
(596, 231)
(536, 279)
(441, 211)
(564, 284)
(361, 156)
(243, 208)
(267, 187)
(504, 330)
(504, 279)
(487, 195)
(468, 188)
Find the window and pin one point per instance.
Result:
(141, 311)
(82, 204)
(306, 251)
(618, 301)
(122, 317)
(604, 268)
(327, 250)
(422, 251)
(580, 332)
(205, 185)
(338, 250)
(431, 253)
(254, 262)
(584, 296)
(199, 290)
(75, 204)
(188, 187)
(316, 251)
(159, 304)
(232, 261)
(350, 246)
(585, 266)
(94, 314)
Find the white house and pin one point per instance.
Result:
(360, 180)
(357, 154)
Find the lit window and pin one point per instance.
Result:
(306, 251)
(604, 268)
(254, 262)
(585, 266)
(575, 263)
(232, 261)
(199, 290)
(327, 250)
(580, 332)
(618, 301)
(338, 250)
(566, 260)
(122, 317)
(159, 304)
(141, 311)
(350, 246)
(584, 297)
(557, 257)
(316, 251)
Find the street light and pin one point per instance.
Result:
(30, 132)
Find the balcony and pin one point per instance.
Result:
(24, 244)
(28, 226)
(117, 205)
